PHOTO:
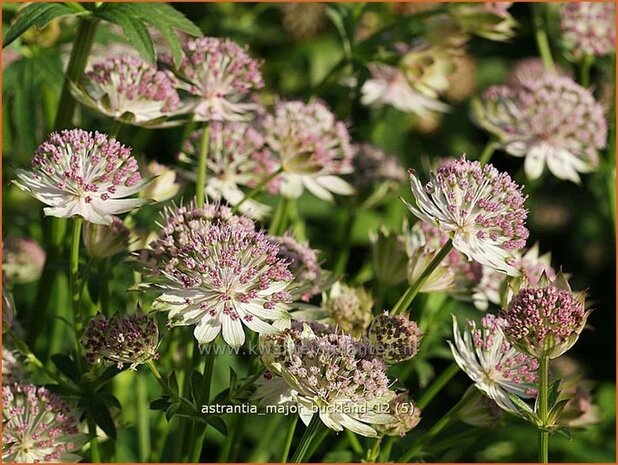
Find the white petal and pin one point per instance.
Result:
(207, 330)
(233, 332)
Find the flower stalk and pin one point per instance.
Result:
(542, 42)
(74, 278)
(306, 442)
(202, 164)
(543, 409)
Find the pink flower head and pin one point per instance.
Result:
(550, 121)
(220, 75)
(79, 173)
(38, 426)
(589, 28)
(479, 208)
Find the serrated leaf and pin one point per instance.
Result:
(173, 17)
(133, 29)
(36, 14)
(66, 366)
(100, 414)
(161, 403)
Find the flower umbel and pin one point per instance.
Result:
(127, 88)
(121, 339)
(312, 147)
(220, 75)
(218, 273)
(589, 27)
(550, 121)
(79, 173)
(38, 426)
(479, 208)
(496, 367)
(395, 336)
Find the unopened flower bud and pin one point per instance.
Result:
(396, 337)
(103, 241)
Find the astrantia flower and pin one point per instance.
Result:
(490, 20)
(455, 274)
(102, 241)
(428, 68)
(163, 186)
(303, 262)
(121, 339)
(313, 149)
(405, 414)
(589, 27)
(38, 426)
(552, 120)
(333, 375)
(218, 273)
(395, 336)
(546, 320)
(496, 367)
(22, 260)
(529, 69)
(478, 207)
(531, 265)
(85, 174)
(349, 308)
(220, 75)
(237, 158)
(388, 85)
(129, 89)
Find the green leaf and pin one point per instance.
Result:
(218, 424)
(66, 366)
(556, 411)
(172, 382)
(524, 410)
(110, 400)
(564, 432)
(554, 391)
(172, 410)
(36, 14)
(132, 27)
(100, 413)
(162, 403)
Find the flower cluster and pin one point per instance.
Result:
(496, 367)
(395, 336)
(333, 375)
(589, 28)
(86, 174)
(546, 320)
(220, 75)
(313, 149)
(478, 207)
(236, 157)
(127, 88)
(38, 426)
(121, 339)
(550, 121)
(217, 272)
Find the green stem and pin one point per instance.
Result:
(354, 442)
(344, 244)
(82, 44)
(543, 408)
(450, 416)
(406, 299)
(104, 272)
(315, 425)
(143, 420)
(374, 451)
(584, 70)
(488, 152)
(279, 221)
(437, 385)
(74, 278)
(116, 128)
(287, 443)
(257, 189)
(155, 371)
(542, 41)
(202, 164)
(95, 452)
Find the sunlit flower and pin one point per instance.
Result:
(313, 149)
(163, 186)
(22, 260)
(395, 336)
(333, 375)
(479, 208)
(388, 85)
(496, 367)
(589, 27)
(217, 272)
(237, 158)
(303, 262)
(38, 426)
(103, 241)
(531, 265)
(405, 414)
(85, 174)
(545, 320)
(490, 20)
(220, 75)
(349, 308)
(12, 367)
(550, 121)
(121, 339)
(129, 89)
